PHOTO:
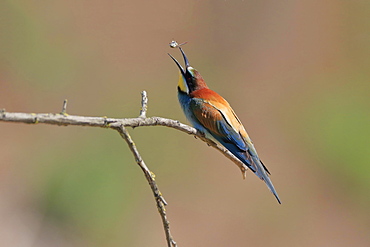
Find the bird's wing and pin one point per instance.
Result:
(220, 120)
(216, 115)
(230, 117)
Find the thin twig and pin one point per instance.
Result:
(161, 203)
(144, 104)
(64, 108)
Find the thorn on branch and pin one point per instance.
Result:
(244, 172)
(64, 108)
(34, 119)
(161, 198)
(174, 244)
(144, 104)
(106, 123)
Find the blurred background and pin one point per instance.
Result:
(296, 72)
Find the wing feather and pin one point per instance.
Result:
(217, 122)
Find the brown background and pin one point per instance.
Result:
(296, 72)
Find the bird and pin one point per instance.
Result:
(210, 114)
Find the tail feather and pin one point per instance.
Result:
(265, 168)
(250, 158)
(261, 173)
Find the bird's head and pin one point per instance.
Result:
(190, 79)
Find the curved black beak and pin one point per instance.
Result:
(178, 65)
(185, 58)
(183, 72)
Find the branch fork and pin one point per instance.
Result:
(120, 125)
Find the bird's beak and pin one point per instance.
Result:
(185, 58)
(183, 72)
(178, 65)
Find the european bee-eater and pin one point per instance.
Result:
(212, 115)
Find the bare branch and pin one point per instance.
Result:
(120, 125)
(114, 123)
(161, 203)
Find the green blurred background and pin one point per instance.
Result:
(296, 72)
